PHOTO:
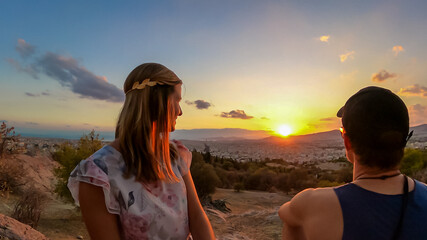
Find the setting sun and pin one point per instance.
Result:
(285, 130)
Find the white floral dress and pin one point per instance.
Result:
(147, 211)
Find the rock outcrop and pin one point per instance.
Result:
(11, 229)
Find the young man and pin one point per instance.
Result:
(380, 203)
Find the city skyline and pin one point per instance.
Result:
(261, 66)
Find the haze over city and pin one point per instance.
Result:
(278, 67)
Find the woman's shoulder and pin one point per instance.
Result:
(107, 154)
(107, 159)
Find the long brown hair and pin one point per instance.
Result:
(145, 122)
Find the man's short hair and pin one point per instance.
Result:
(377, 123)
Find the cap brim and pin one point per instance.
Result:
(340, 112)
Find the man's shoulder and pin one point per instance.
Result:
(315, 195)
(314, 209)
(312, 200)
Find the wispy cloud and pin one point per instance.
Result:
(382, 75)
(25, 49)
(37, 94)
(30, 69)
(349, 55)
(397, 49)
(326, 123)
(324, 38)
(328, 119)
(236, 114)
(200, 104)
(32, 94)
(70, 74)
(414, 90)
(32, 123)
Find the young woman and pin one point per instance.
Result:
(140, 186)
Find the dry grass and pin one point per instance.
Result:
(253, 215)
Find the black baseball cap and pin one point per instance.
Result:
(376, 117)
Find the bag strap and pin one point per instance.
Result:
(403, 209)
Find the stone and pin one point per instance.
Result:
(11, 229)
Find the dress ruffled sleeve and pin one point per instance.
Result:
(95, 172)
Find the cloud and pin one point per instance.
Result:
(30, 69)
(236, 114)
(32, 123)
(397, 49)
(414, 90)
(328, 119)
(70, 74)
(37, 94)
(200, 104)
(32, 94)
(382, 75)
(348, 55)
(324, 38)
(417, 114)
(25, 49)
(325, 124)
(265, 118)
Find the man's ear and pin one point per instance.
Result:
(347, 142)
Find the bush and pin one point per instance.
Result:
(68, 157)
(204, 176)
(283, 183)
(263, 179)
(29, 207)
(10, 178)
(327, 183)
(238, 187)
(413, 161)
(6, 135)
(345, 174)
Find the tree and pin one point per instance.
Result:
(6, 135)
(204, 176)
(68, 157)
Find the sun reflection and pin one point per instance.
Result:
(285, 130)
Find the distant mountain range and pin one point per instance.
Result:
(224, 134)
(233, 134)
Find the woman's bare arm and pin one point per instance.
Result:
(200, 227)
(99, 222)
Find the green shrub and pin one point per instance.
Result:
(68, 157)
(262, 179)
(204, 176)
(413, 161)
(238, 187)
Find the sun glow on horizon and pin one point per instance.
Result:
(284, 130)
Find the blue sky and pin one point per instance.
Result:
(263, 58)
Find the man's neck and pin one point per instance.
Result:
(362, 171)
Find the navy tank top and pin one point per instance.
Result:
(370, 215)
